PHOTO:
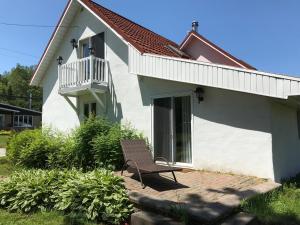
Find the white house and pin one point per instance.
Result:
(199, 106)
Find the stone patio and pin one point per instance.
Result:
(206, 196)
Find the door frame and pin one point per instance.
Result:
(172, 95)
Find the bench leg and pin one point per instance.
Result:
(123, 168)
(174, 177)
(141, 180)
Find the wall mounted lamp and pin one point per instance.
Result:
(74, 43)
(199, 94)
(59, 60)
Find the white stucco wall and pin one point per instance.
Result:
(231, 130)
(286, 143)
(57, 112)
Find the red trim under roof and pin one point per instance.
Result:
(246, 65)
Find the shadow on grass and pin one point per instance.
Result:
(279, 207)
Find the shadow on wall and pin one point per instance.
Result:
(114, 108)
(285, 141)
(234, 109)
(120, 50)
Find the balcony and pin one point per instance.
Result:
(84, 75)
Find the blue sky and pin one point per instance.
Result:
(266, 34)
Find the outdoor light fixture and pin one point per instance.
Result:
(199, 94)
(74, 43)
(59, 60)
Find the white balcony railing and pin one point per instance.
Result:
(83, 71)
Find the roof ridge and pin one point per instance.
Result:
(131, 21)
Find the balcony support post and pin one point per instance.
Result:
(71, 103)
(91, 68)
(97, 97)
(59, 77)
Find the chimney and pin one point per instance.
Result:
(195, 26)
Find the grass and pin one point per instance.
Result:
(279, 207)
(39, 218)
(6, 167)
(45, 218)
(3, 140)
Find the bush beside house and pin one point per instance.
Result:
(95, 144)
(69, 173)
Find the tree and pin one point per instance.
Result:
(15, 88)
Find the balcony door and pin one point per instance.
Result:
(97, 42)
(172, 129)
(98, 45)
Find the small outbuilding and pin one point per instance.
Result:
(17, 118)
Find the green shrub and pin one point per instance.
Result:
(31, 148)
(96, 143)
(83, 140)
(107, 148)
(64, 155)
(98, 195)
(31, 190)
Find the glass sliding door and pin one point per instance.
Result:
(182, 126)
(172, 129)
(162, 128)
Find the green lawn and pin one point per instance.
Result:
(280, 207)
(6, 168)
(40, 218)
(45, 218)
(3, 140)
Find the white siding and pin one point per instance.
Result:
(213, 75)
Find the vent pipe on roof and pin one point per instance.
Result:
(195, 26)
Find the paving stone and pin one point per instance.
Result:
(2, 152)
(241, 219)
(149, 218)
(206, 196)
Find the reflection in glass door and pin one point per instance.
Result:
(172, 129)
(182, 127)
(163, 128)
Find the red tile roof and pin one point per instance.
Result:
(143, 39)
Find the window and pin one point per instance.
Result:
(85, 50)
(93, 108)
(23, 121)
(90, 108)
(86, 110)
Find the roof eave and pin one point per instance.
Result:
(215, 47)
(34, 80)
